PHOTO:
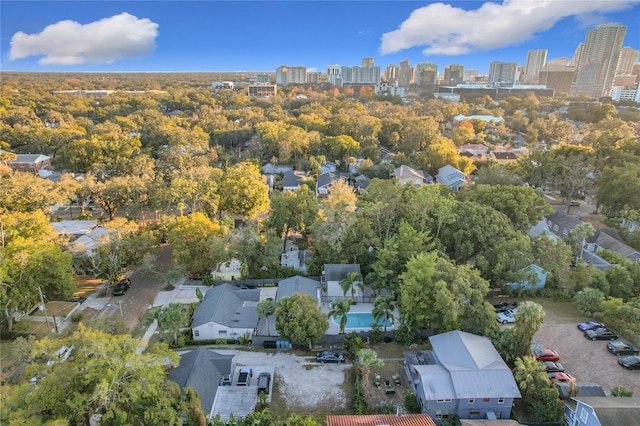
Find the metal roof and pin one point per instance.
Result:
(380, 419)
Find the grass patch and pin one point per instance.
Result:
(559, 312)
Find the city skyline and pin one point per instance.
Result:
(263, 35)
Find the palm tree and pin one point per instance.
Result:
(530, 374)
(340, 310)
(349, 283)
(383, 308)
(173, 317)
(264, 309)
(368, 358)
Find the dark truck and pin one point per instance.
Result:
(244, 377)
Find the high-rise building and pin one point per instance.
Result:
(628, 58)
(577, 55)
(313, 77)
(453, 74)
(405, 74)
(503, 72)
(558, 77)
(426, 73)
(367, 62)
(391, 74)
(559, 61)
(286, 75)
(599, 60)
(471, 75)
(334, 75)
(536, 59)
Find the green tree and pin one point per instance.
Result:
(340, 310)
(350, 283)
(299, 319)
(589, 300)
(105, 375)
(581, 232)
(529, 319)
(243, 191)
(172, 318)
(368, 358)
(542, 401)
(292, 211)
(264, 309)
(383, 309)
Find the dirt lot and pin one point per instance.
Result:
(587, 361)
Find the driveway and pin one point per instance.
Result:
(588, 361)
(302, 382)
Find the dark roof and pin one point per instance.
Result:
(584, 389)
(505, 155)
(606, 241)
(563, 220)
(229, 306)
(202, 369)
(329, 178)
(292, 178)
(338, 272)
(419, 358)
(297, 285)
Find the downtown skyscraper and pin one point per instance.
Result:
(598, 60)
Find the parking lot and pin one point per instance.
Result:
(588, 361)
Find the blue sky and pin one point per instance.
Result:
(261, 35)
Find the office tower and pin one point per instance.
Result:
(536, 59)
(405, 73)
(426, 73)
(454, 74)
(263, 78)
(313, 77)
(628, 58)
(286, 75)
(470, 75)
(577, 55)
(334, 75)
(559, 61)
(558, 76)
(503, 72)
(391, 74)
(599, 60)
(367, 62)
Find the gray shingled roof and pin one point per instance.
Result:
(338, 272)
(292, 178)
(229, 306)
(563, 220)
(329, 178)
(294, 285)
(606, 241)
(475, 366)
(406, 172)
(28, 158)
(202, 369)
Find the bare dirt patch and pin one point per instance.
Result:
(86, 285)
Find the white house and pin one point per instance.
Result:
(332, 275)
(226, 312)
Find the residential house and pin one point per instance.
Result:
(505, 157)
(274, 169)
(329, 167)
(202, 370)
(361, 183)
(463, 375)
(602, 411)
(230, 270)
(226, 312)
(474, 148)
(538, 279)
(332, 275)
(296, 259)
(501, 422)
(485, 118)
(380, 419)
(30, 163)
(328, 180)
(292, 180)
(83, 235)
(409, 175)
(452, 177)
(561, 223)
(609, 239)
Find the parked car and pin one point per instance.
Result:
(225, 380)
(560, 376)
(544, 354)
(122, 287)
(630, 362)
(502, 307)
(329, 356)
(553, 367)
(584, 326)
(244, 376)
(600, 334)
(620, 347)
(264, 379)
(506, 317)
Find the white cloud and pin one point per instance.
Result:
(448, 30)
(121, 36)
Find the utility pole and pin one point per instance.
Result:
(44, 308)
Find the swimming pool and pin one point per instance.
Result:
(360, 320)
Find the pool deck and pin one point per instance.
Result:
(334, 328)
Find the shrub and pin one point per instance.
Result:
(411, 403)
(556, 294)
(377, 334)
(353, 343)
(207, 280)
(621, 392)
(404, 335)
(77, 317)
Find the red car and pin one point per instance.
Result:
(561, 377)
(544, 354)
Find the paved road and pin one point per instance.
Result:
(140, 296)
